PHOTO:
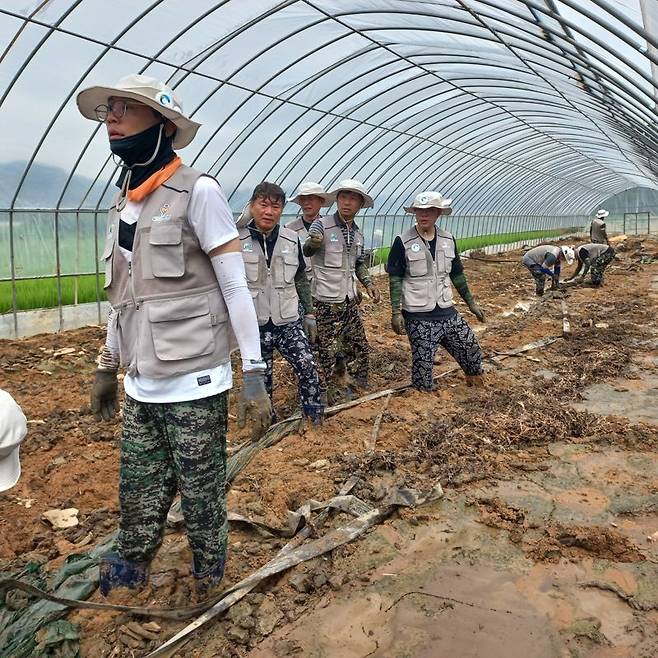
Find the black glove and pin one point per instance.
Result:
(255, 402)
(476, 310)
(104, 395)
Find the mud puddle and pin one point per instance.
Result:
(536, 565)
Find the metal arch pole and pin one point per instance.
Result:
(150, 61)
(387, 49)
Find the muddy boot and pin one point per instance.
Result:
(206, 584)
(313, 413)
(475, 380)
(539, 288)
(116, 572)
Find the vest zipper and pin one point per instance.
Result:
(132, 285)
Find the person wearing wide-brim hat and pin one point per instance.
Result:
(176, 283)
(311, 198)
(594, 255)
(335, 245)
(422, 264)
(13, 428)
(597, 232)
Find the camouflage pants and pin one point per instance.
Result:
(165, 448)
(340, 329)
(292, 343)
(453, 333)
(538, 276)
(599, 265)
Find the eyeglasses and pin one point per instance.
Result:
(118, 108)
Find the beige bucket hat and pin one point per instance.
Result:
(313, 189)
(351, 185)
(602, 214)
(13, 428)
(430, 200)
(147, 90)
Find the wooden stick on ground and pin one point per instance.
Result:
(370, 444)
(566, 325)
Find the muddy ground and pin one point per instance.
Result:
(543, 544)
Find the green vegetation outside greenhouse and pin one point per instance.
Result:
(42, 293)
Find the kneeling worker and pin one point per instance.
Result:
(276, 276)
(421, 264)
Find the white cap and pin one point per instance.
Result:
(602, 214)
(351, 185)
(13, 428)
(430, 200)
(569, 254)
(313, 189)
(147, 90)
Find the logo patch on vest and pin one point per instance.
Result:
(164, 214)
(202, 381)
(247, 246)
(333, 237)
(415, 247)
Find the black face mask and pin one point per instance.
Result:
(140, 148)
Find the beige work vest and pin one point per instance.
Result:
(597, 231)
(298, 227)
(537, 255)
(594, 249)
(426, 282)
(334, 276)
(170, 314)
(272, 288)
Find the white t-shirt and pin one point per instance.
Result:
(212, 220)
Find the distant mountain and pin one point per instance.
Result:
(43, 186)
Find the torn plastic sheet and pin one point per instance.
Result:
(287, 559)
(302, 516)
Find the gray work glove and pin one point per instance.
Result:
(255, 402)
(476, 310)
(316, 239)
(397, 323)
(104, 401)
(310, 328)
(374, 294)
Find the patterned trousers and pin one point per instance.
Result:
(599, 265)
(454, 334)
(170, 447)
(292, 343)
(340, 329)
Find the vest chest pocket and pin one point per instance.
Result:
(166, 247)
(251, 266)
(284, 272)
(445, 253)
(181, 328)
(107, 258)
(417, 263)
(333, 253)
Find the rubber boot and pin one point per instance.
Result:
(539, 288)
(115, 572)
(475, 380)
(205, 583)
(314, 413)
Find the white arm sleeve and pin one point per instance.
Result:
(229, 270)
(109, 357)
